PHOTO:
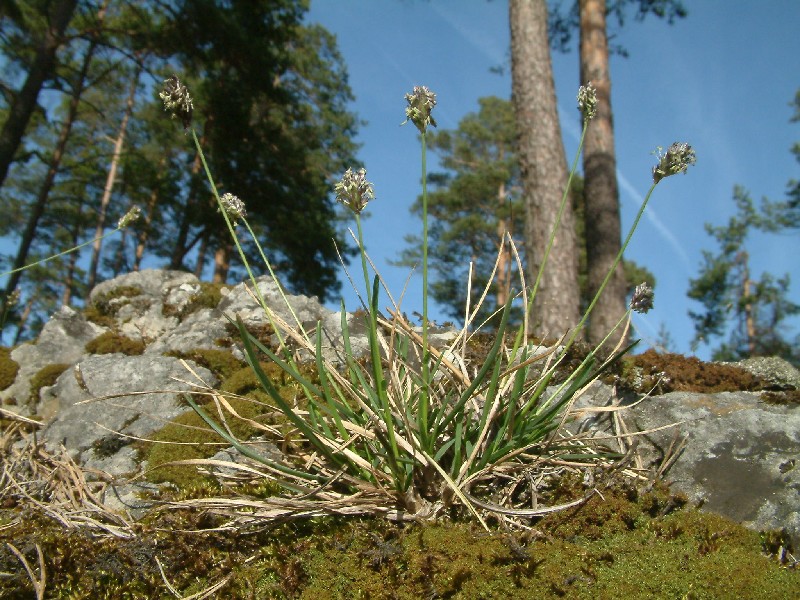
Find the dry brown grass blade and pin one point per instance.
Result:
(529, 512)
(7, 414)
(40, 582)
(246, 511)
(199, 595)
(57, 486)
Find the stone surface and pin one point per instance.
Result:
(62, 340)
(741, 458)
(780, 374)
(129, 395)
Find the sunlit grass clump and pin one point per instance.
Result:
(413, 430)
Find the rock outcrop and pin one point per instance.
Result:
(741, 456)
(730, 452)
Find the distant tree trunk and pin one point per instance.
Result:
(222, 262)
(544, 170)
(110, 180)
(42, 68)
(37, 210)
(72, 263)
(743, 258)
(201, 257)
(23, 320)
(603, 230)
(141, 238)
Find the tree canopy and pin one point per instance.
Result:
(271, 108)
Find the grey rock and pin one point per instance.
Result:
(779, 373)
(62, 340)
(741, 458)
(201, 329)
(141, 316)
(83, 419)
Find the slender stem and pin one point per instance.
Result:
(523, 330)
(425, 395)
(375, 355)
(235, 238)
(78, 247)
(613, 267)
(245, 262)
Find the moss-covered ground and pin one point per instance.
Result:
(621, 546)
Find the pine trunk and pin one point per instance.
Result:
(24, 103)
(544, 171)
(152, 201)
(38, 208)
(111, 180)
(222, 262)
(603, 231)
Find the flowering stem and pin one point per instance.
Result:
(375, 355)
(613, 267)
(78, 247)
(235, 238)
(551, 241)
(424, 397)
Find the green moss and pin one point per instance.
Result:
(196, 440)
(103, 309)
(44, 377)
(220, 362)
(684, 554)
(208, 296)
(111, 342)
(8, 368)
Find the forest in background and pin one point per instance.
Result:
(85, 138)
(271, 100)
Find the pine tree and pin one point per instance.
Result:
(749, 311)
(603, 228)
(544, 170)
(57, 16)
(274, 96)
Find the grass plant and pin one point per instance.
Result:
(413, 429)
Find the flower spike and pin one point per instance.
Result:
(587, 101)
(677, 159)
(642, 299)
(354, 191)
(233, 206)
(177, 100)
(420, 104)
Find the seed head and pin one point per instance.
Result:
(129, 217)
(642, 299)
(587, 100)
(12, 299)
(354, 191)
(177, 100)
(677, 159)
(420, 104)
(233, 206)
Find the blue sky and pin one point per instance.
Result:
(721, 80)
